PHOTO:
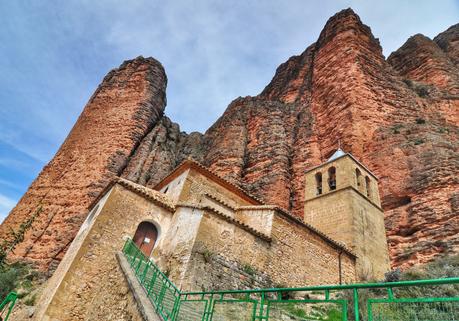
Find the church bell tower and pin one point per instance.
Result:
(342, 200)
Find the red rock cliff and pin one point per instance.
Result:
(399, 116)
(124, 108)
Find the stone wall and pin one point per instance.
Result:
(370, 236)
(232, 257)
(210, 270)
(346, 216)
(332, 214)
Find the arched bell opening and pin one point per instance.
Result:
(332, 178)
(319, 183)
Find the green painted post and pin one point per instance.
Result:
(134, 257)
(356, 304)
(140, 263)
(261, 311)
(145, 271)
(210, 310)
(176, 307)
(9, 300)
(161, 294)
(390, 293)
(152, 282)
(370, 312)
(345, 311)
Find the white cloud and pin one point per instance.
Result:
(214, 51)
(6, 205)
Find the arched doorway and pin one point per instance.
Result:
(145, 237)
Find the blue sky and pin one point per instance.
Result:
(55, 53)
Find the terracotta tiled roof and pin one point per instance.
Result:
(148, 193)
(210, 174)
(237, 222)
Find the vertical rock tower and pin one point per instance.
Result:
(123, 109)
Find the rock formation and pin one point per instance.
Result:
(128, 103)
(399, 116)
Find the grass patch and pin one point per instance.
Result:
(446, 267)
(312, 311)
(207, 254)
(250, 270)
(30, 301)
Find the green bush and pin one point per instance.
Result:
(446, 267)
(247, 268)
(8, 281)
(16, 277)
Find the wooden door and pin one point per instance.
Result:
(145, 237)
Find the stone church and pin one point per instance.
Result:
(204, 232)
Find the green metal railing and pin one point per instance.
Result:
(162, 293)
(7, 306)
(423, 300)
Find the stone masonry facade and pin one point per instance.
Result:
(211, 235)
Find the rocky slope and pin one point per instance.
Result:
(399, 116)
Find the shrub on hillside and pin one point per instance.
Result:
(8, 280)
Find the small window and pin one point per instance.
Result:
(358, 176)
(368, 185)
(332, 178)
(319, 183)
